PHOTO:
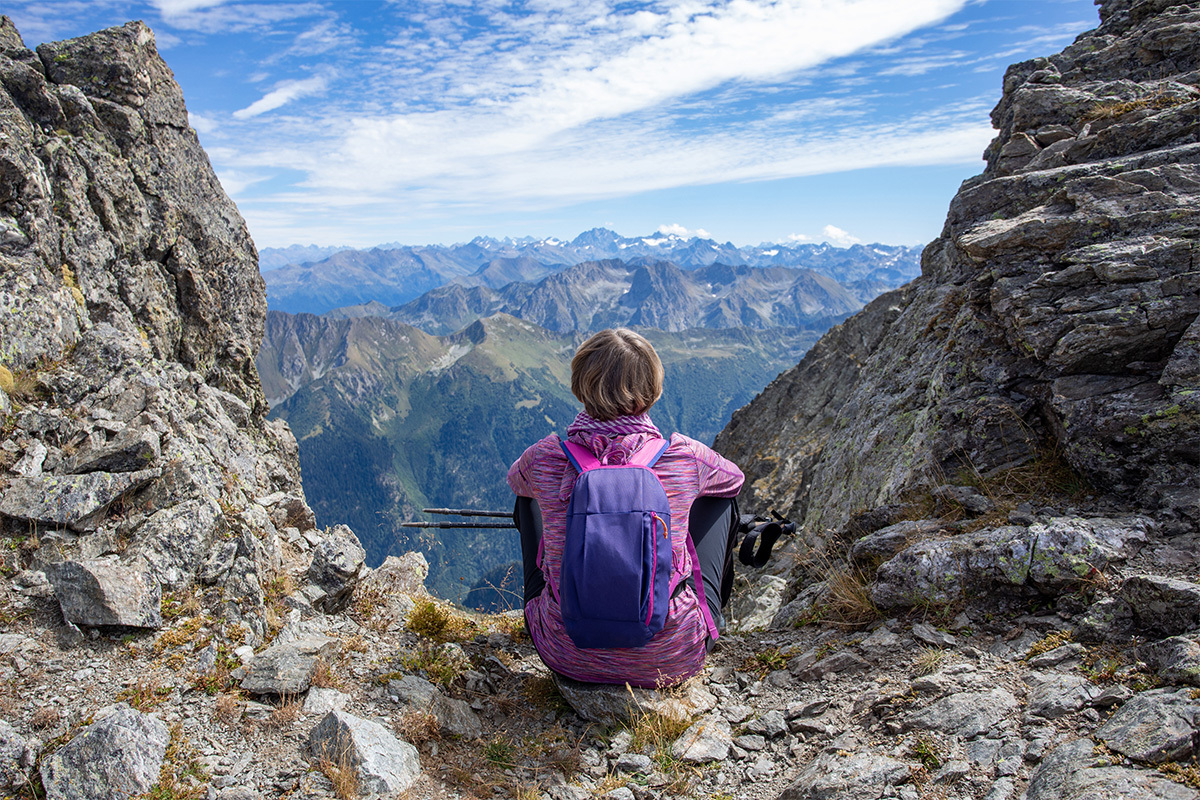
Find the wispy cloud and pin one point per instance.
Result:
(675, 229)
(835, 235)
(338, 115)
(170, 8)
(281, 95)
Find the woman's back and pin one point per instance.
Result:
(687, 469)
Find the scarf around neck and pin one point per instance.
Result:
(604, 437)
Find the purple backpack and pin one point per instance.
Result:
(615, 582)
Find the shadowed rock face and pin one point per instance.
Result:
(1056, 312)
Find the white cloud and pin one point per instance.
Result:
(170, 8)
(281, 95)
(201, 123)
(798, 237)
(676, 229)
(223, 17)
(234, 182)
(835, 235)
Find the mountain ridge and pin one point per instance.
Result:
(395, 275)
(657, 294)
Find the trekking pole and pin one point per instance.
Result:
(462, 512)
(467, 512)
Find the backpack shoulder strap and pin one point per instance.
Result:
(648, 454)
(580, 457)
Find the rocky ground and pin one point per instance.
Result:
(1093, 691)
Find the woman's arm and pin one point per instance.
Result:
(719, 477)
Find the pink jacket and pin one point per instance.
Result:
(688, 469)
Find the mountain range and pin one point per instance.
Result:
(602, 294)
(313, 280)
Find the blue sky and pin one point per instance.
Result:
(366, 121)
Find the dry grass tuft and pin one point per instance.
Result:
(354, 644)
(145, 695)
(849, 602)
(434, 662)
(1187, 774)
(278, 587)
(323, 676)
(228, 709)
(1113, 109)
(183, 633)
(1051, 641)
(930, 660)
(45, 718)
(26, 388)
(286, 713)
(440, 621)
(419, 726)
(341, 773)
(655, 732)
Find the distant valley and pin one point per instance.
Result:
(430, 369)
(391, 419)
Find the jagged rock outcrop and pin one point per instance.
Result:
(1056, 313)
(131, 308)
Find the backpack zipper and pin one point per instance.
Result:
(654, 563)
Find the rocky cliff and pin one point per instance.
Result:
(131, 309)
(1055, 317)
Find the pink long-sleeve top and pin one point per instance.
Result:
(687, 469)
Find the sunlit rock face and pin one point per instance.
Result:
(131, 308)
(1056, 315)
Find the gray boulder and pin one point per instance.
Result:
(338, 562)
(385, 764)
(965, 714)
(1176, 660)
(612, 705)
(875, 548)
(73, 501)
(13, 770)
(30, 464)
(859, 776)
(320, 701)
(289, 511)
(174, 542)
(1043, 557)
(131, 450)
(115, 758)
(1154, 727)
(1162, 606)
(286, 667)
(809, 667)
(453, 716)
(1057, 696)
(104, 592)
(707, 740)
(1073, 771)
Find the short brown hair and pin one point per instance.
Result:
(616, 373)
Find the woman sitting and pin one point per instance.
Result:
(618, 376)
